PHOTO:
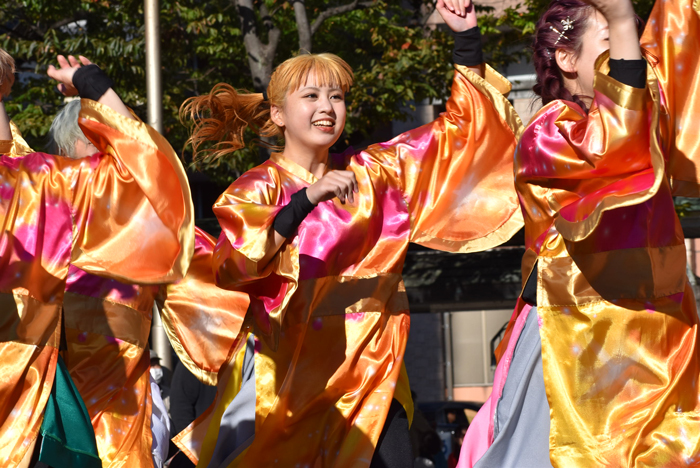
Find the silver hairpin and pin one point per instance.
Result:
(567, 25)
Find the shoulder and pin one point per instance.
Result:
(547, 120)
(260, 184)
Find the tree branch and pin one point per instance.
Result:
(339, 10)
(260, 56)
(303, 28)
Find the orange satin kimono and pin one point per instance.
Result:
(205, 325)
(76, 233)
(617, 316)
(330, 310)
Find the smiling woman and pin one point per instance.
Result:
(318, 241)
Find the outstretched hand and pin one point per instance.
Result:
(459, 15)
(64, 74)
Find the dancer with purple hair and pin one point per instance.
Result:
(600, 363)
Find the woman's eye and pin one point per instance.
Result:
(311, 95)
(337, 97)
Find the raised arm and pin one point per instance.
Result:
(133, 216)
(456, 173)
(672, 37)
(82, 77)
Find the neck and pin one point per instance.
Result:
(575, 88)
(313, 160)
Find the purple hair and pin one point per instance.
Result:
(550, 82)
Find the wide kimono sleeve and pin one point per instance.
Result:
(246, 212)
(672, 37)
(202, 320)
(15, 147)
(133, 215)
(456, 173)
(587, 164)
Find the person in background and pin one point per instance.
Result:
(189, 399)
(76, 249)
(600, 366)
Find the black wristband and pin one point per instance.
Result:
(630, 72)
(290, 217)
(91, 82)
(467, 49)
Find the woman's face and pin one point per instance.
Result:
(313, 116)
(83, 149)
(595, 41)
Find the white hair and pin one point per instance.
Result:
(64, 131)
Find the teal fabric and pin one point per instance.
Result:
(68, 438)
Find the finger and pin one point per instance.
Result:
(51, 71)
(355, 185)
(462, 9)
(84, 60)
(62, 62)
(73, 61)
(444, 5)
(339, 193)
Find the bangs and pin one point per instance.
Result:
(327, 69)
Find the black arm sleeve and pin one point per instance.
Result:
(467, 49)
(91, 82)
(630, 72)
(290, 217)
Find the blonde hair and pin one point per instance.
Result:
(7, 73)
(223, 115)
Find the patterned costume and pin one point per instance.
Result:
(617, 317)
(330, 310)
(75, 234)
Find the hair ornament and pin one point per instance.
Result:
(567, 25)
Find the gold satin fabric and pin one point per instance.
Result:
(672, 37)
(203, 321)
(617, 316)
(107, 327)
(125, 215)
(17, 146)
(330, 310)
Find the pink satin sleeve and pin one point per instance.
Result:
(587, 164)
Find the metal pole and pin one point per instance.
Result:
(154, 89)
(447, 340)
(154, 97)
(159, 340)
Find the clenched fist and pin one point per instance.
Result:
(341, 184)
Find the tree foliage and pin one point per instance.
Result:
(397, 60)
(203, 44)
